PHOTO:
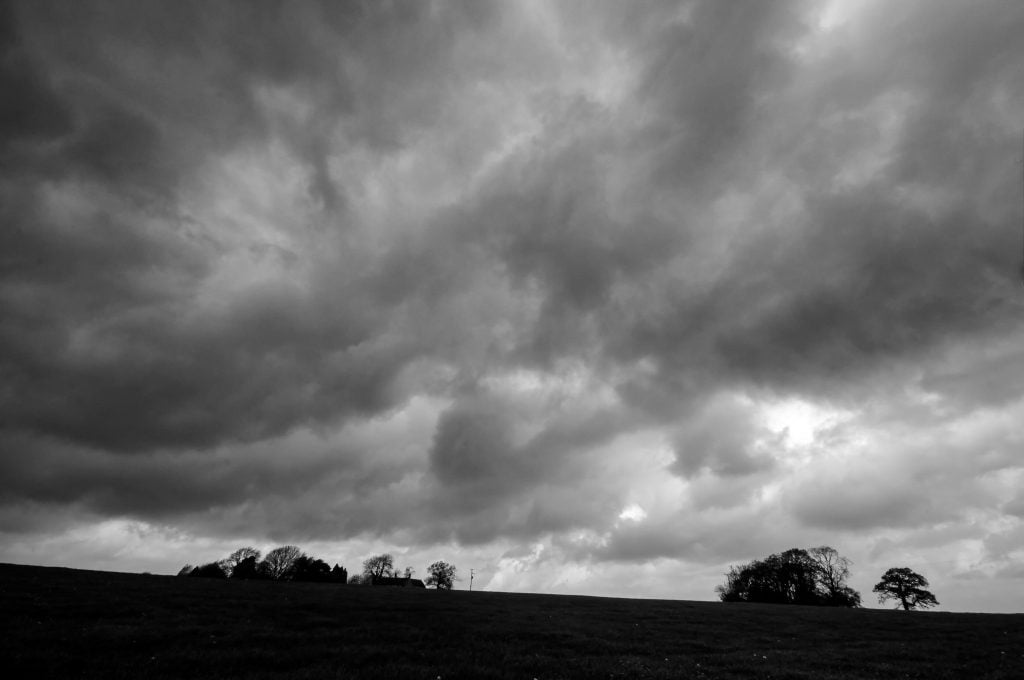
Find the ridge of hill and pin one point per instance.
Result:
(60, 622)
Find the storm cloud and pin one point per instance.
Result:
(582, 295)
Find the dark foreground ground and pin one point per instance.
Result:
(62, 623)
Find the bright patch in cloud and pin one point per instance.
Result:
(633, 513)
(800, 421)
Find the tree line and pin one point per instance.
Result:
(289, 563)
(440, 574)
(817, 576)
(286, 563)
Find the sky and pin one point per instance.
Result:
(586, 296)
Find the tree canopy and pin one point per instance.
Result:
(831, 572)
(248, 568)
(306, 568)
(280, 562)
(286, 563)
(907, 587)
(441, 575)
(239, 556)
(211, 570)
(796, 576)
(379, 565)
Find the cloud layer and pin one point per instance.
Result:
(585, 293)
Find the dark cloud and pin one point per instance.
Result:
(862, 274)
(1015, 507)
(705, 89)
(495, 479)
(863, 503)
(170, 88)
(166, 485)
(617, 282)
(31, 111)
(872, 284)
(722, 440)
(473, 446)
(991, 381)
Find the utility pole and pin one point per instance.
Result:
(471, 580)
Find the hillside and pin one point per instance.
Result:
(85, 624)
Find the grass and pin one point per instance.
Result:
(64, 623)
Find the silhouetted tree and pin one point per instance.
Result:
(279, 562)
(306, 568)
(211, 570)
(441, 575)
(247, 569)
(339, 574)
(906, 586)
(799, 576)
(235, 558)
(832, 571)
(284, 563)
(795, 576)
(379, 565)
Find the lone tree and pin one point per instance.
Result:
(379, 565)
(442, 575)
(280, 562)
(907, 586)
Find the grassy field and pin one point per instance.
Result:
(62, 623)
